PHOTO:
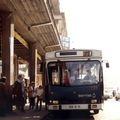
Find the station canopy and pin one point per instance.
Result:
(34, 21)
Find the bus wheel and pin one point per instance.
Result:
(96, 111)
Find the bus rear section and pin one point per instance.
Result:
(73, 82)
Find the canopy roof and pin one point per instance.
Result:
(34, 22)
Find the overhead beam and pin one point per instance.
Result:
(41, 24)
(39, 57)
(52, 46)
(21, 40)
(47, 6)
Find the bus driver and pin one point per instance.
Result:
(89, 76)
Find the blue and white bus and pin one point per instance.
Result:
(67, 84)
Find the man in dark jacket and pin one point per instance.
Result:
(19, 93)
(3, 97)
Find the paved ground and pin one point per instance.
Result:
(27, 115)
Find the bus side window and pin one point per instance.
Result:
(55, 78)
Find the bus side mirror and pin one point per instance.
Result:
(107, 65)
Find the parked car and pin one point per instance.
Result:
(108, 94)
(117, 96)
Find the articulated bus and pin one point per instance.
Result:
(74, 80)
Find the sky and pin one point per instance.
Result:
(95, 24)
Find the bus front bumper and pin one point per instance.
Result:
(75, 107)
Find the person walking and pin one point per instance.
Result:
(19, 93)
(39, 94)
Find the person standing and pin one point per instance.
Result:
(31, 95)
(3, 97)
(19, 93)
(39, 94)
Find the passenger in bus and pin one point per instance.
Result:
(66, 80)
(75, 78)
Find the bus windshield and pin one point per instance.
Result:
(74, 72)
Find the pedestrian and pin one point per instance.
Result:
(31, 95)
(19, 93)
(39, 94)
(3, 97)
(9, 98)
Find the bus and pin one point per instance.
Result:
(73, 80)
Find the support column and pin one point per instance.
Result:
(15, 67)
(33, 63)
(7, 46)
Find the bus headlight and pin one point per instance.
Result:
(94, 101)
(54, 101)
